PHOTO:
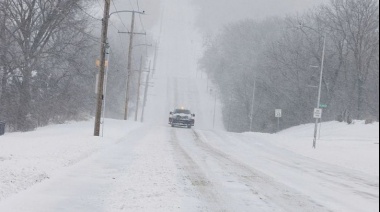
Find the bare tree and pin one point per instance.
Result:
(282, 60)
(357, 23)
(47, 40)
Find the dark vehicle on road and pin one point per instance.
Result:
(181, 118)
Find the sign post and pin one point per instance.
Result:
(278, 114)
(320, 120)
(317, 115)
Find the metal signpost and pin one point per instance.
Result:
(318, 109)
(278, 114)
(318, 116)
(323, 106)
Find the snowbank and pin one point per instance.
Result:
(353, 146)
(29, 158)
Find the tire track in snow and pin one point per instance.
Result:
(197, 178)
(260, 184)
(357, 183)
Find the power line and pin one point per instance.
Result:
(142, 25)
(119, 16)
(122, 44)
(138, 7)
(85, 12)
(100, 5)
(91, 37)
(131, 5)
(120, 38)
(110, 22)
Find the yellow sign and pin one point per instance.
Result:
(98, 63)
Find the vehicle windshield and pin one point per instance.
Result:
(182, 111)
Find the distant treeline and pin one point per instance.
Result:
(280, 59)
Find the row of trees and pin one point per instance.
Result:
(280, 60)
(46, 62)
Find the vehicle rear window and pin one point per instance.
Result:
(182, 111)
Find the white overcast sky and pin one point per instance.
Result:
(213, 14)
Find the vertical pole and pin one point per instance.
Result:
(129, 71)
(207, 83)
(105, 89)
(213, 123)
(155, 59)
(138, 89)
(253, 101)
(229, 113)
(145, 93)
(100, 96)
(278, 124)
(320, 128)
(2, 69)
(319, 92)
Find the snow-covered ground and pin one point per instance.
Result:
(137, 167)
(353, 146)
(153, 167)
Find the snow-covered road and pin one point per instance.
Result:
(224, 183)
(153, 167)
(159, 168)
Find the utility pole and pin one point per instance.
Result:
(138, 89)
(253, 101)
(145, 93)
(319, 92)
(100, 96)
(155, 60)
(213, 120)
(129, 68)
(105, 87)
(207, 83)
(129, 71)
(229, 111)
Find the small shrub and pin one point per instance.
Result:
(349, 120)
(369, 121)
(339, 118)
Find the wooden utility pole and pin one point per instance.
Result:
(100, 96)
(252, 106)
(105, 86)
(155, 60)
(145, 93)
(129, 68)
(138, 89)
(129, 74)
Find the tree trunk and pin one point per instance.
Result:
(24, 121)
(360, 98)
(2, 91)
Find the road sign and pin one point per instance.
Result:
(318, 113)
(278, 113)
(323, 106)
(98, 63)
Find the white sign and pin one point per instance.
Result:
(278, 113)
(318, 113)
(96, 83)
